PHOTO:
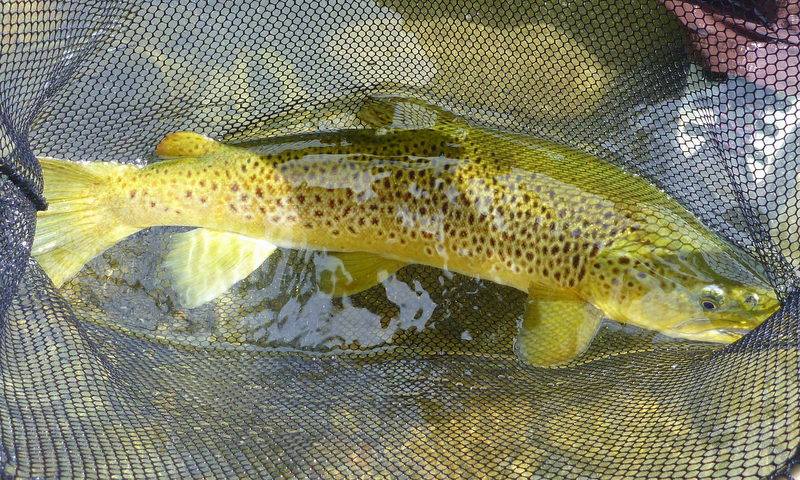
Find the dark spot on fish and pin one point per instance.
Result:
(234, 187)
(624, 260)
(133, 193)
(232, 207)
(260, 193)
(576, 260)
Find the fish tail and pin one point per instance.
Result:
(79, 223)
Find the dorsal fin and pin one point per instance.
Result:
(404, 113)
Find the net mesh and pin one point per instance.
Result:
(416, 378)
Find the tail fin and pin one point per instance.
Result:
(78, 224)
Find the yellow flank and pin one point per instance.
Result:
(582, 237)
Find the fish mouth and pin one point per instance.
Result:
(712, 335)
(701, 330)
(734, 331)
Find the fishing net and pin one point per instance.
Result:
(416, 378)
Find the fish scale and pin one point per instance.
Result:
(433, 201)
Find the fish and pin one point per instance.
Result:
(583, 238)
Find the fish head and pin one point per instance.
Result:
(713, 297)
(721, 311)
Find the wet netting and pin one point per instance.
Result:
(109, 377)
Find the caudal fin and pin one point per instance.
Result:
(78, 225)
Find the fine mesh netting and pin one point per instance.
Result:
(108, 377)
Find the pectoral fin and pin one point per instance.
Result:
(186, 144)
(348, 273)
(203, 264)
(556, 330)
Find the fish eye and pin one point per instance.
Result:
(711, 298)
(708, 305)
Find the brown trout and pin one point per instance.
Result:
(582, 237)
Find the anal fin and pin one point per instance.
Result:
(348, 273)
(203, 264)
(556, 330)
